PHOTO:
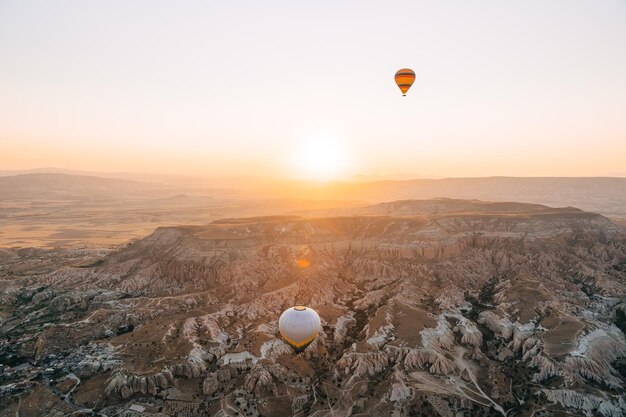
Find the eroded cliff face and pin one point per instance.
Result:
(427, 309)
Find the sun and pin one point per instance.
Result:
(320, 158)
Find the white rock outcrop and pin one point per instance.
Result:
(588, 404)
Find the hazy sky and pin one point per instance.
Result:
(232, 87)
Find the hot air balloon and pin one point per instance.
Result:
(405, 78)
(299, 326)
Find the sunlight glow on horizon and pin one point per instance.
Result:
(209, 88)
(320, 157)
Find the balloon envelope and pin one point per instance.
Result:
(405, 79)
(299, 326)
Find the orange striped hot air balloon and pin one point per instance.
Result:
(405, 79)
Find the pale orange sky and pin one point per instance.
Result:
(529, 88)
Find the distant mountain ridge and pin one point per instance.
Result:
(47, 185)
(606, 195)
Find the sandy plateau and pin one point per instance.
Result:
(429, 308)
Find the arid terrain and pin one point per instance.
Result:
(429, 308)
(59, 210)
(312, 209)
(53, 210)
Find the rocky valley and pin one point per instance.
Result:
(429, 308)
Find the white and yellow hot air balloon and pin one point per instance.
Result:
(299, 326)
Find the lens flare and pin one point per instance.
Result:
(303, 263)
